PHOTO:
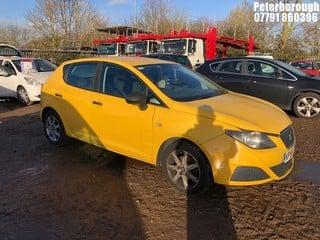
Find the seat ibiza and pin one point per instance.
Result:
(165, 114)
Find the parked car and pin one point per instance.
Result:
(269, 79)
(22, 78)
(308, 66)
(179, 58)
(163, 113)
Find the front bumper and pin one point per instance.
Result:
(34, 92)
(233, 163)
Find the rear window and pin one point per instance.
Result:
(81, 75)
(231, 66)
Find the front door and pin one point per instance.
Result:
(119, 126)
(267, 82)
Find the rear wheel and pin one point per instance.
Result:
(186, 168)
(307, 105)
(23, 96)
(54, 129)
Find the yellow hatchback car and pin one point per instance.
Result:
(165, 114)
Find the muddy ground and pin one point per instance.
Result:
(82, 192)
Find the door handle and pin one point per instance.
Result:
(58, 95)
(254, 81)
(97, 103)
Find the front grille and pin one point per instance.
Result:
(282, 168)
(287, 136)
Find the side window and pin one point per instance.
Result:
(286, 75)
(262, 69)
(119, 82)
(81, 75)
(9, 65)
(231, 67)
(268, 70)
(214, 66)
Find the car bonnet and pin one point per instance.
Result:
(240, 111)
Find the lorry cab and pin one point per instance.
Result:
(191, 47)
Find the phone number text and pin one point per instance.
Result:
(311, 17)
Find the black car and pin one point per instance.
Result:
(270, 79)
(179, 58)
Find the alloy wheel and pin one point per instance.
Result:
(308, 106)
(53, 128)
(183, 169)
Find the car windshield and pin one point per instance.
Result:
(180, 83)
(33, 65)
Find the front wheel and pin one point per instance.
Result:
(186, 168)
(23, 96)
(53, 128)
(307, 105)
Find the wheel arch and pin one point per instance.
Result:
(44, 112)
(19, 86)
(303, 92)
(169, 142)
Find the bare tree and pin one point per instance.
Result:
(279, 38)
(65, 23)
(159, 17)
(16, 35)
(200, 25)
(310, 43)
(240, 24)
(284, 35)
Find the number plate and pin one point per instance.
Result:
(288, 155)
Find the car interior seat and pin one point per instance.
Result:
(251, 68)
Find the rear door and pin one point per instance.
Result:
(74, 98)
(229, 74)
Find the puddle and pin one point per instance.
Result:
(307, 171)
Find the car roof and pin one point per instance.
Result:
(133, 61)
(243, 58)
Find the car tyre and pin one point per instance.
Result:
(187, 168)
(23, 96)
(307, 105)
(54, 129)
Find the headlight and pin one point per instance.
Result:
(255, 140)
(32, 81)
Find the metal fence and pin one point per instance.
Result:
(58, 56)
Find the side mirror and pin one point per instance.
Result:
(137, 98)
